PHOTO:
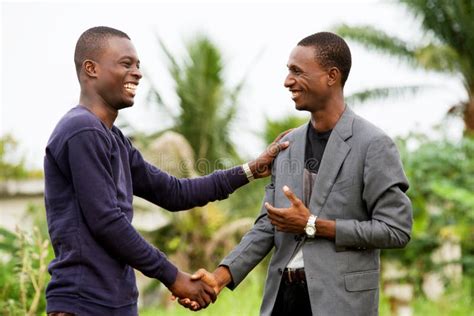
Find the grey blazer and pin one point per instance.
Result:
(361, 185)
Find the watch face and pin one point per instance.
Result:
(310, 230)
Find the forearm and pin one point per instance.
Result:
(120, 239)
(176, 194)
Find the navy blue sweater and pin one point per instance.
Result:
(91, 175)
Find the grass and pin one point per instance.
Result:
(246, 300)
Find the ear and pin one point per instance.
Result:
(334, 76)
(90, 68)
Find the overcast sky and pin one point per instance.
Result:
(38, 81)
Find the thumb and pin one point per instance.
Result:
(199, 274)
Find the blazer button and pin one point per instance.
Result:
(280, 271)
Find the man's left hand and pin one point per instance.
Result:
(292, 219)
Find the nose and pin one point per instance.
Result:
(289, 81)
(137, 73)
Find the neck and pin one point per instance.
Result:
(326, 117)
(99, 107)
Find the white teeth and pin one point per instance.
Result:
(130, 86)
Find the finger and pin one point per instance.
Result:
(207, 298)
(277, 221)
(291, 196)
(275, 148)
(200, 300)
(270, 207)
(283, 134)
(210, 291)
(275, 211)
(283, 145)
(185, 301)
(195, 306)
(199, 274)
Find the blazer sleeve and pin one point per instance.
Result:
(388, 206)
(254, 246)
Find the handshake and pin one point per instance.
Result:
(197, 291)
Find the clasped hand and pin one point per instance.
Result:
(205, 277)
(198, 292)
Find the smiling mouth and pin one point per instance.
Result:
(295, 94)
(131, 88)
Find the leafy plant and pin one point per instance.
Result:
(24, 272)
(446, 46)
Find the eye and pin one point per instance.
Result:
(295, 71)
(127, 64)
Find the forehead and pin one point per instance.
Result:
(119, 47)
(302, 56)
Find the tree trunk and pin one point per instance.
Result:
(469, 117)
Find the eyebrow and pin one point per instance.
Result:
(129, 57)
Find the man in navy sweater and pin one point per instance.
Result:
(92, 172)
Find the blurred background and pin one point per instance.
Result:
(212, 96)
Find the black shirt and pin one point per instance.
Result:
(314, 150)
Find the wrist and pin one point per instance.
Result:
(222, 276)
(326, 228)
(250, 170)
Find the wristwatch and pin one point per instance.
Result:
(310, 228)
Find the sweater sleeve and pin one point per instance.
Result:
(176, 194)
(91, 172)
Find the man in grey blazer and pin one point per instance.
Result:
(337, 196)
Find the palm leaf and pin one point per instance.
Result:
(382, 93)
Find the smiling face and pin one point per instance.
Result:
(307, 80)
(117, 73)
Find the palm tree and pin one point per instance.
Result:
(207, 107)
(447, 46)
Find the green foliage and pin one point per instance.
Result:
(273, 128)
(381, 93)
(457, 301)
(8, 168)
(441, 182)
(23, 272)
(447, 45)
(207, 107)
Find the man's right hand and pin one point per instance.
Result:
(196, 290)
(217, 280)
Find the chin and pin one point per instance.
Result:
(125, 105)
(301, 107)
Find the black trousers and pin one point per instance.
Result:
(292, 300)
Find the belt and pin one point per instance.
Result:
(294, 276)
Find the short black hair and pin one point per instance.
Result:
(91, 42)
(330, 51)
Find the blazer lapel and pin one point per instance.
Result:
(295, 165)
(333, 158)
